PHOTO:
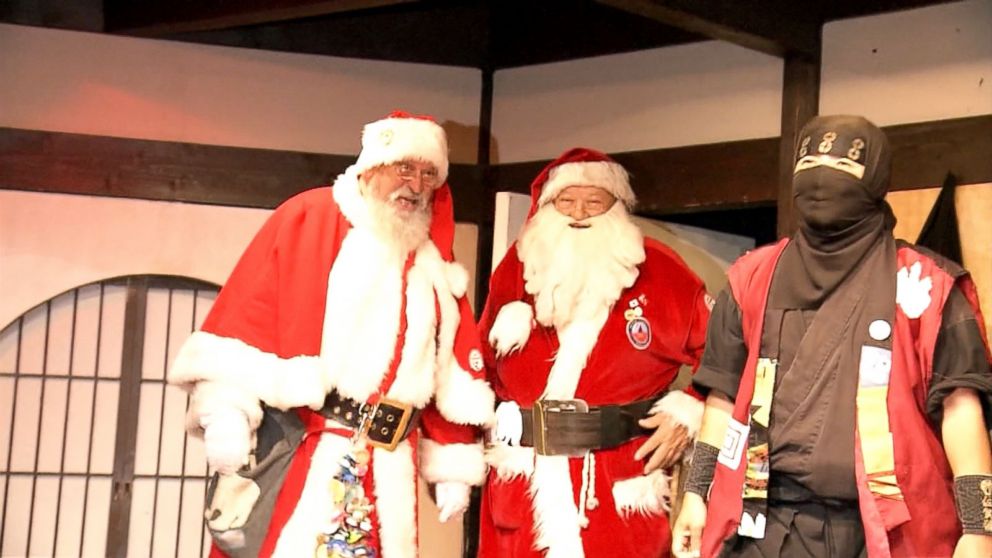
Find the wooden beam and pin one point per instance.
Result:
(683, 179)
(678, 180)
(738, 174)
(924, 152)
(163, 17)
(171, 171)
(767, 26)
(800, 102)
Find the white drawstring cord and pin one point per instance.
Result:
(587, 494)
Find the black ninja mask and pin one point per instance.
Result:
(841, 174)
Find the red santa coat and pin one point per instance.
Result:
(291, 324)
(521, 504)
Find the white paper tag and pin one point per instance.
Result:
(876, 363)
(733, 444)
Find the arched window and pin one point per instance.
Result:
(94, 458)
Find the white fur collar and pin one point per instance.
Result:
(347, 193)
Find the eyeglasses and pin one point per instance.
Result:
(408, 171)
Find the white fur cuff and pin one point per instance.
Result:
(282, 383)
(452, 462)
(683, 408)
(511, 328)
(646, 494)
(510, 461)
(463, 399)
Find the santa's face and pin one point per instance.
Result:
(406, 186)
(582, 202)
(398, 197)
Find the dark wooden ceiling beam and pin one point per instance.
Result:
(58, 162)
(696, 178)
(155, 18)
(738, 174)
(772, 27)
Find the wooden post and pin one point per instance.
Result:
(119, 524)
(800, 102)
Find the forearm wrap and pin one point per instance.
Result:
(973, 497)
(700, 475)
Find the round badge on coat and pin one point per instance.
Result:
(639, 333)
(475, 360)
(879, 330)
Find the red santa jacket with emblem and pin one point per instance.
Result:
(266, 341)
(925, 522)
(524, 499)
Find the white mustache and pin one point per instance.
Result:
(406, 192)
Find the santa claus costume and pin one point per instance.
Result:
(591, 312)
(324, 316)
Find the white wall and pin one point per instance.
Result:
(50, 243)
(926, 64)
(88, 83)
(689, 94)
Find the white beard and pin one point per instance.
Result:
(404, 233)
(574, 273)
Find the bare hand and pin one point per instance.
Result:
(973, 545)
(687, 534)
(668, 442)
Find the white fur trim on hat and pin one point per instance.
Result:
(683, 408)
(605, 174)
(394, 139)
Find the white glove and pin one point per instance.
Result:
(226, 440)
(451, 499)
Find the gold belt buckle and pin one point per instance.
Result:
(387, 422)
(542, 408)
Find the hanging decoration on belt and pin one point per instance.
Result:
(349, 533)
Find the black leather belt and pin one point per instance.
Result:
(386, 423)
(569, 427)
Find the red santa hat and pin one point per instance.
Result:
(581, 166)
(402, 135)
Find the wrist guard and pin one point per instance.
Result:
(973, 499)
(701, 471)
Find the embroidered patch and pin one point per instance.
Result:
(709, 301)
(733, 444)
(475, 360)
(639, 333)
